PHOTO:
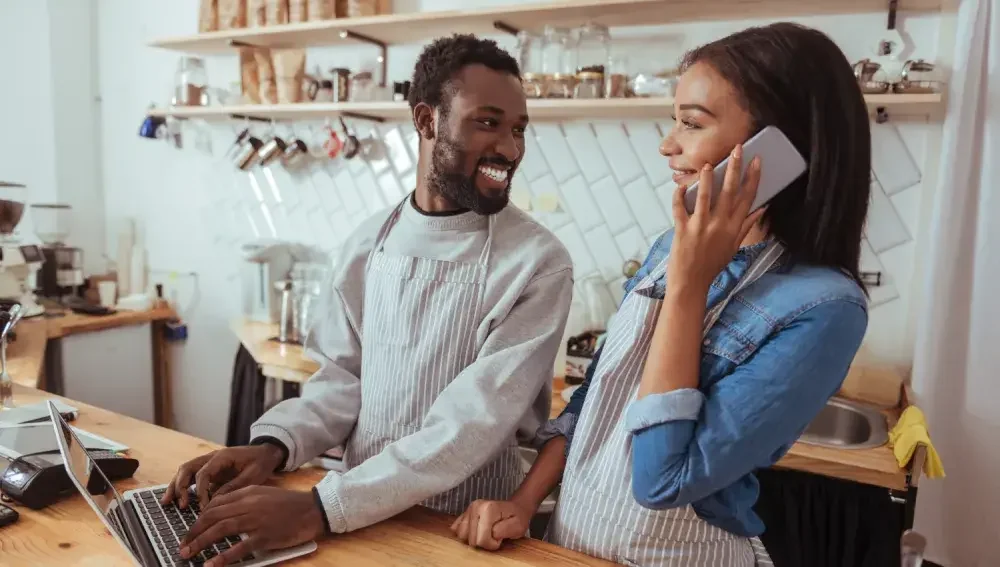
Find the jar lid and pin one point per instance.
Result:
(563, 76)
(589, 76)
(531, 76)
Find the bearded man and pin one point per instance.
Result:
(436, 342)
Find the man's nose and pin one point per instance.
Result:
(507, 146)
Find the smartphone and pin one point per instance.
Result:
(780, 164)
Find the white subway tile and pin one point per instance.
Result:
(550, 138)
(581, 140)
(533, 164)
(632, 244)
(914, 132)
(665, 194)
(870, 263)
(646, 207)
(369, 192)
(612, 204)
(898, 264)
(605, 252)
(348, 192)
(577, 199)
(390, 188)
(409, 182)
(617, 290)
(891, 161)
(583, 262)
(884, 227)
(398, 155)
(413, 143)
(907, 205)
(645, 139)
(618, 151)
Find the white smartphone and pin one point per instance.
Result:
(780, 164)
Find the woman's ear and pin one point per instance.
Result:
(423, 120)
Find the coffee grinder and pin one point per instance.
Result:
(18, 262)
(62, 272)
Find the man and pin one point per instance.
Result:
(436, 343)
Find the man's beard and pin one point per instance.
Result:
(447, 159)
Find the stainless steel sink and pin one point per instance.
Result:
(845, 425)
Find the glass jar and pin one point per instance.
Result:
(529, 52)
(616, 78)
(557, 51)
(593, 48)
(190, 83)
(589, 84)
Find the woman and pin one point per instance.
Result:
(732, 336)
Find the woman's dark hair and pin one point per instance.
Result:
(797, 79)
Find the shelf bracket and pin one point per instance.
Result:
(363, 116)
(505, 27)
(891, 24)
(250, 118)
(238, 43)
(881, 115)
(383, 58)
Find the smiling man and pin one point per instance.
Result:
(436, 342)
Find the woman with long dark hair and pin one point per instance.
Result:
(734, 334)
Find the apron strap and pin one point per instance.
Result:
(760, 266)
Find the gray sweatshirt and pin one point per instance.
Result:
(505, 391)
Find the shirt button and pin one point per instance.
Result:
(707, 342)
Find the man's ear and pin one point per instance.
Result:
(423, 120)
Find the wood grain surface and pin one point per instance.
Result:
(70, 534)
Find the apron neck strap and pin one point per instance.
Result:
(383, 233)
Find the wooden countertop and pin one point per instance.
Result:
(870, 466)
(26, 355)
(69, 533)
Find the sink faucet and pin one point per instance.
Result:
(8, 319)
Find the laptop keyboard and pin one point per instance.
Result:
(171, 523)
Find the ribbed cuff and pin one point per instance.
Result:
(268, 440)
(322, 509)
(654, 409)
(328, 489)
(258, 431)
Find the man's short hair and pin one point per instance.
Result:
(445, 57)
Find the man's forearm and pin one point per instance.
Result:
(544, 475)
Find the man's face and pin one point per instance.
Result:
(479, 140)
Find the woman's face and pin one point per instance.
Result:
(708, 123)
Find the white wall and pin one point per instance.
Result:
(49, 114)
(611, 182)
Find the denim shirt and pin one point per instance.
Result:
(781, 348)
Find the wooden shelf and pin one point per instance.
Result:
(539, 110)
(422, 26)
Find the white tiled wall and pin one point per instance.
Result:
(613, 190)
(611, 184)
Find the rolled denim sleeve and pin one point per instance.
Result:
(748, 419)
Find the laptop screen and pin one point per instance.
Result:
(89, 479)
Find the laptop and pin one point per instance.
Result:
(149, 532)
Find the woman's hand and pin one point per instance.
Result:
(486, 523)
(705, 241)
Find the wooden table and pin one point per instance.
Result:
(70, 534)
(26, 355)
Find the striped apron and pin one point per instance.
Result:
(419, 331)
(596, 513)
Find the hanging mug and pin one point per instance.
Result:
(332, 144)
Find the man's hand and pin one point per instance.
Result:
(486, 523)
(272, 518)
(240, 466)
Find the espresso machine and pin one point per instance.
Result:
(18, 261)
(62, 272)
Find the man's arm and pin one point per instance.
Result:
(324, 414)
(468, 423)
